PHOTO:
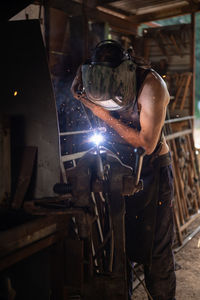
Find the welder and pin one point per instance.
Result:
(132, 98)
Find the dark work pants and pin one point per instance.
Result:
(159, 273)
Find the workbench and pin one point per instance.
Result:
(36, 255)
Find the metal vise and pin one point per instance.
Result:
(100, 170)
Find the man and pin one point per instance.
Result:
(131, 98)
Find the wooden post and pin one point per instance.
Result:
(193, 63)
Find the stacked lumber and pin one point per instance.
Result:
(186, 174)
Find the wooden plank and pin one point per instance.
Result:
(178, 201)
(20, 236)
(178, 226)
(187, 194)
(187, 118)
(178, 50)
(177, 193)
(38, 209)
(186, 87)
(189, 222)
(196, 175)
(189, 179)
(26, 169)
(27, 240)
(180, 181)
(25, 252)
(178, 134)
(180, 85)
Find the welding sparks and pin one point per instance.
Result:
(97, 138)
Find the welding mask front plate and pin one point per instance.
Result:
(111, 88)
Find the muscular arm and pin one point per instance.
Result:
(153, 100)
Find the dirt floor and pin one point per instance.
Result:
(187, 273)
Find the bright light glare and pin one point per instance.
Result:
(97, 138)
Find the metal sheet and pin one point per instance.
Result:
(28, 98)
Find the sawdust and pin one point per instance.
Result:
(187, 273)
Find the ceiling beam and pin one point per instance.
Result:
(93, 14)
(113, 10)
(165, 13)
(128, 24)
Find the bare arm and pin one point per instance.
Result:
(153, 101)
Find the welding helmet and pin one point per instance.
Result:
(110, 80)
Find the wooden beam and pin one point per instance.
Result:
(192, 219)
(23, 235)
(178, 134)
(115, 11)
(93, 14)
(20, 254)
(165, 13)
(113, 21)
